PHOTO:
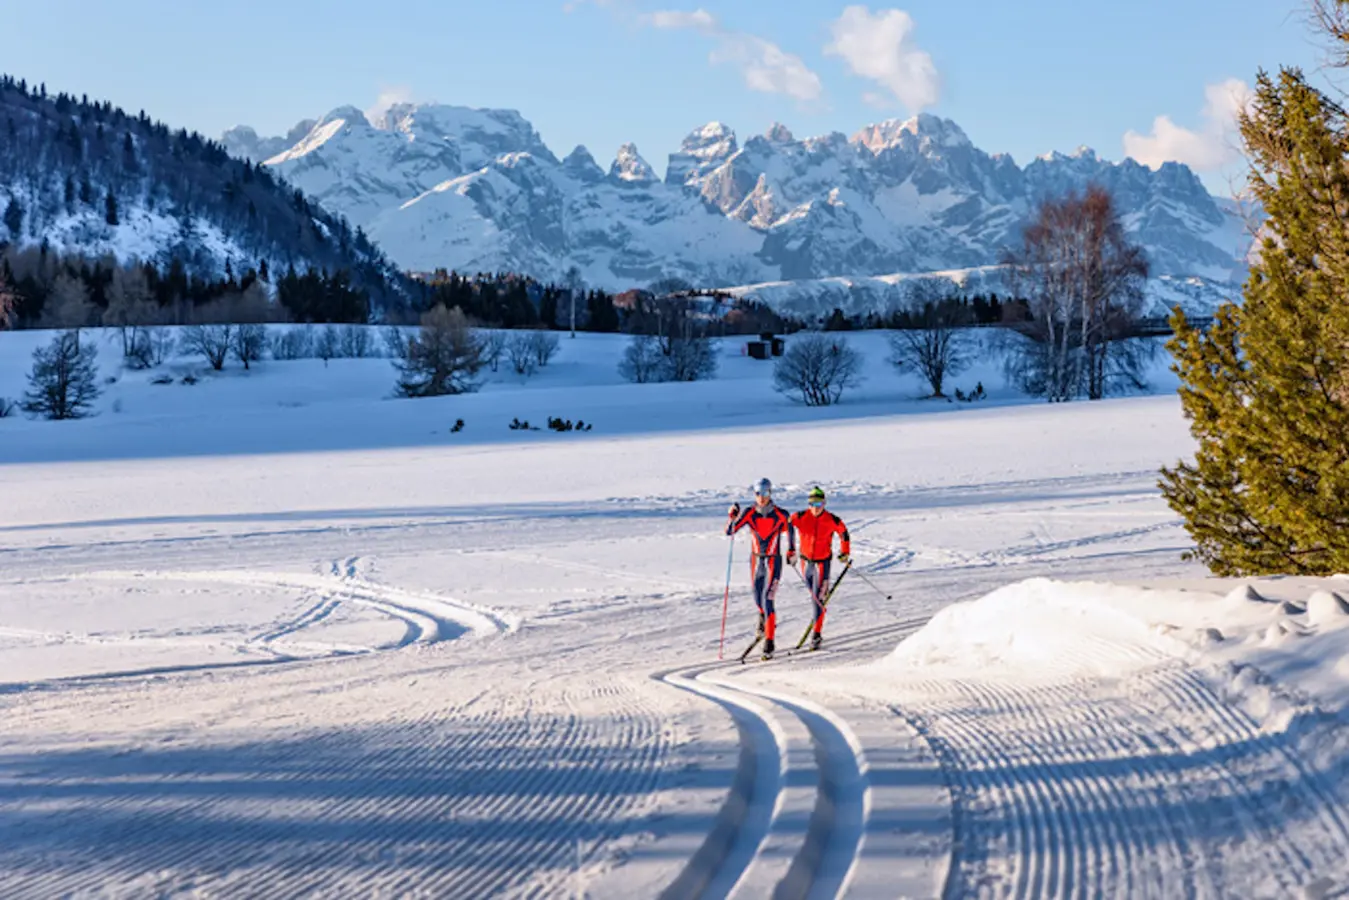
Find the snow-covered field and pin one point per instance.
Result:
(276, 634)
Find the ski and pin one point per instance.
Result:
(824, 605)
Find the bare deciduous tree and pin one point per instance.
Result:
(293, 343)
(520, 353)
(544, 346)
(355, 342)
(443, 358)
(249, 310)
(131, 309)
(153, 347)
(68, 305)
(211, 334)
(1331, 18)
(690, 359)
(493, 343)
(64, 380)
(817, 368)
(642, 360)
(576, 290)
(1084, 282)
(939, 346)
(328, 344)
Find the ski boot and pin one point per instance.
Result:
(816, 640)
(767, 649)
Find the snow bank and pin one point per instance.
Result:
(1278, 648)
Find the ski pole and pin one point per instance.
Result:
(872, 585)
(726, 598)
(824, 604)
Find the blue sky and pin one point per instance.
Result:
(1023, 78)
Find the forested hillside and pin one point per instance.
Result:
(80, 177)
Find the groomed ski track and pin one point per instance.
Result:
(582, 750)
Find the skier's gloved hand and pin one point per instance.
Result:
(734, 510)
(844, 558)
(791, 557)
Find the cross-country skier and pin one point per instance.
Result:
(816, 528)
(767, 523)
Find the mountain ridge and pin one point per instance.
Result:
(478, 190)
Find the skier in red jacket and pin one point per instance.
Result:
(767, 524)
(817, 528)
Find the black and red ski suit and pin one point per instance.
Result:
(767, 527)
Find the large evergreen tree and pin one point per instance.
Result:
(1266, 389)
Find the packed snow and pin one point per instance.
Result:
(279, 633)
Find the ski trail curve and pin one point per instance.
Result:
(798, 816)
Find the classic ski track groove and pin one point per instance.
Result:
(827, 853)
(476, 830)
(429, 618)
(1030, 776)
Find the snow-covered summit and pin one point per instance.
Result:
(924, 128)
(581, 165)
(629, 166)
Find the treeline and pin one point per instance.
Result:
(79, 167)
(45, 289)
(508, 300)
(970, 309)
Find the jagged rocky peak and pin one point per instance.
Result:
(703, 150)
(923, 129)
(243, 142)
(581, 165)
(629, 166)
(712, 138)
(780, 134)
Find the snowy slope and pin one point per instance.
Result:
(276, 629)
(443, 186)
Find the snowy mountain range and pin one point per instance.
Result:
(476, 190)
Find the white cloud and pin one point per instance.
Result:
(699, 19)
(880, 46)
(1211, 148)
(388, 98)
(765, 66)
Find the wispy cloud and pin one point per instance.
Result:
(763, 65)
(879, 46)
(389, 97)
(1211, 148)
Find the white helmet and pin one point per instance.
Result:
(763, 487)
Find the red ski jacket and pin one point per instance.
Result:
(767, 529)
(817, 534)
